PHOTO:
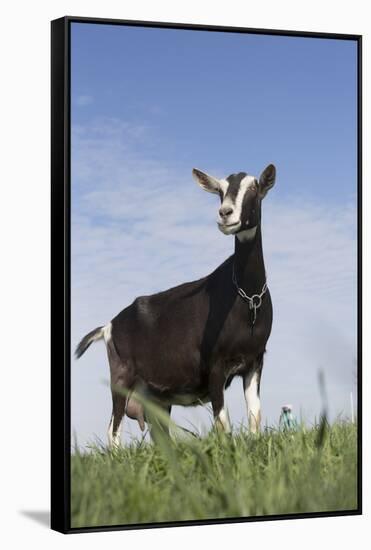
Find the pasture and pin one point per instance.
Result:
(219, 476)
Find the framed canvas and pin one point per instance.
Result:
(168, 301)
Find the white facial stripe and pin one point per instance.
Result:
(248, 181)
(223, 186)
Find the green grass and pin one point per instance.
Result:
(219, 476)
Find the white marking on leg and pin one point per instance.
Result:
(110, 433)
(222, 420)
(114, 438)
(252, 401)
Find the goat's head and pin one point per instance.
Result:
(240, 197)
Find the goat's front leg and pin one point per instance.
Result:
(251, 387)
(216, 392)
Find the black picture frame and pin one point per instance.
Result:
(61, 277)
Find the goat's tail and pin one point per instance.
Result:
(93, 336)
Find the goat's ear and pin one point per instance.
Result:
(209, 183)
(267, 179)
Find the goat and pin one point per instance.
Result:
(184, 346)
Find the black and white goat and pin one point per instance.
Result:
(184, 346)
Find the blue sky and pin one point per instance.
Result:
(150, 104)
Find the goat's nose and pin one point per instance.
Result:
(225, 211)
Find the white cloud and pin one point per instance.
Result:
(140, 226)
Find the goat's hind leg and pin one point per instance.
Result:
(121, 383)
(118, 411)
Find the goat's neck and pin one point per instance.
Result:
(249, 263)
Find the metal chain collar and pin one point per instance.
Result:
(254, 301)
